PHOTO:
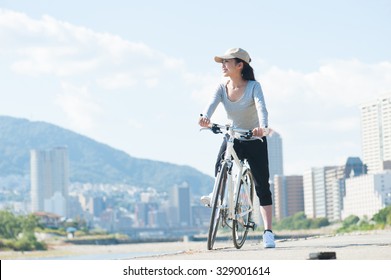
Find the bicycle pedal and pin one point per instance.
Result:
(251, 225)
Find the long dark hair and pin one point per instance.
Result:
(247, 71)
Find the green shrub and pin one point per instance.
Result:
(300, 221)
(319, 222)
(383, 216)
(350, 221)
(22, 245)
(25, 244)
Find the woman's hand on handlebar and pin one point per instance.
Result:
(204, 121)
(260, 132)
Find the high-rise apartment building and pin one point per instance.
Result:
(49, 180)
(367, 194)
(274, 145)
(288, 195)
(324, 188)
(180, 197)
(315, 192)
(276, 167)
(376, 133)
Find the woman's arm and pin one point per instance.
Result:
(260, 104)
(211, 107)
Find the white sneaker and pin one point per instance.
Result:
(268, 240)
(206, 200)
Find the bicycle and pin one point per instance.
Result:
(232, 198)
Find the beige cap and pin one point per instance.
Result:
(234, 53)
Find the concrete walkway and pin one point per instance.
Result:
(372, 245)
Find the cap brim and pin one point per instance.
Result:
(220, 59)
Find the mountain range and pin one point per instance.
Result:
(90, 161)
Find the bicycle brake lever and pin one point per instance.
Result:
(216, 129)
(247, 135)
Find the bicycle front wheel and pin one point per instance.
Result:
(243, 209)
(221, 181)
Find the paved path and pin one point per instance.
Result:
(368, 256)
(374, 245)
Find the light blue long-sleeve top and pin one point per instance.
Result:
(248, 112)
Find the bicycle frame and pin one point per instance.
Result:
(232, 198)
(232, 160)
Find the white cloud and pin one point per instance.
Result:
(118, 81)
(50, 46)
(340, 82)
(324, 96)
(58, 52)
(317, 113)
(78, 105)
(57, 61)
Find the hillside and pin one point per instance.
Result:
(90, 161)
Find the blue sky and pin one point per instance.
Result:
(136, 74)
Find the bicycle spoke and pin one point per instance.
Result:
(216, 214)
(243, 210)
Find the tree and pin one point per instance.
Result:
(29, 223)
(10, 226)
(19, 232)
(299, 221)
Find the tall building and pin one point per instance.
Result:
(274, 145)
(308, 192)
(49, 180)
(367, 194)
(143, 215)
(276, 167)
(376, 133)
(317, 188)
(96, 205)
(180, 198)
(324, 188)
(288, 195)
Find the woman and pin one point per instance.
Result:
(243, 100)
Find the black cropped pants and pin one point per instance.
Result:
(255, 151)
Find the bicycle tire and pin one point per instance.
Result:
(216, 205)
(240, 226)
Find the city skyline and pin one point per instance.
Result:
(138, 83)
(324, 187)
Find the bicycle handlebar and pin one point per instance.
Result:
(243, 133)
(219, 128)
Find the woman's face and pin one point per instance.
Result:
(230, 67)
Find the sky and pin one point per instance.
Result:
(136, 74)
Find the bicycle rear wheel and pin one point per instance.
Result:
(221, 180)
(243, 212)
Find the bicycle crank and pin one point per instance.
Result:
(251, 225)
